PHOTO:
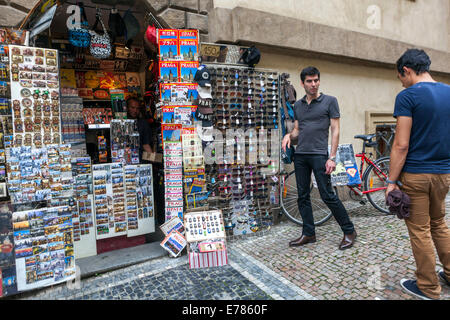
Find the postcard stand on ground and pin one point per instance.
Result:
(206, 239)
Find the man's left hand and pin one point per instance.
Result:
(390, 188)
(330, 166)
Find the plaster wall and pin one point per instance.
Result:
(423, 23)
(357, 88)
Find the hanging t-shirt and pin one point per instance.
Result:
(428, 104)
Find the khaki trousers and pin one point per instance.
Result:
(426, 225)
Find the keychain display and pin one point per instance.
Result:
(124, 141)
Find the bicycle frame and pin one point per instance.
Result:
(365, 159)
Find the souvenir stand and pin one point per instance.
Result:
(38, 221)
(221, 146)
(246, 183)
(188, 220)
(70, 173)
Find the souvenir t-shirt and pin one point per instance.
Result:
(428, 104)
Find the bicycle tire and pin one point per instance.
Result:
(377, 199)
(289, 204)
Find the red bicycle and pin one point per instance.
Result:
(373, 186)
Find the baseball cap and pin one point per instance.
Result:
(205, 110)
(203, 76)
(204, 92)
(202, 115)
(205, 130)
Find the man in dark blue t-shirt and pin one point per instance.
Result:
(420, 160)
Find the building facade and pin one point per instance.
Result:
(355, 44)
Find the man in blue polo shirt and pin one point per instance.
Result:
(314, 114)
(420, 160)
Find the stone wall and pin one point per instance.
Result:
(183, 14)
(12, 12)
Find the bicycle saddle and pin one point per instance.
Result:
(365, 137)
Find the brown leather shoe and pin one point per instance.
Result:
(347, 241)
(302, 240)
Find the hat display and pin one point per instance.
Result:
(203, 76)
(204, 92)
(205, 110)
(201, 115)
(204, 132)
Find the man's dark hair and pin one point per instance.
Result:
(415, 59)
(309, 71)
(133, 99)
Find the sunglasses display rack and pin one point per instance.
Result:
(245, 186)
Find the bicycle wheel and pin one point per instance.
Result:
(288, 200)
(375, 177)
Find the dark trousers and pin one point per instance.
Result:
(304, 165)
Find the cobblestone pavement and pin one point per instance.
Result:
(264, 268)
(372, 269)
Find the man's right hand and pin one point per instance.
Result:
(286, 142)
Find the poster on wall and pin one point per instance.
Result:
(43, 247)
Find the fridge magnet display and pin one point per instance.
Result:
(33, 87)
(124, 141)
(205, 235)
(204, 225)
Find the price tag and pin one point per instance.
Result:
(210, 50)
(208, 247)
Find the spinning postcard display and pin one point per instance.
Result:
(123, 200)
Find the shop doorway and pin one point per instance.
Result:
(100, 84)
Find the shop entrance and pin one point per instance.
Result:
(94, 91)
